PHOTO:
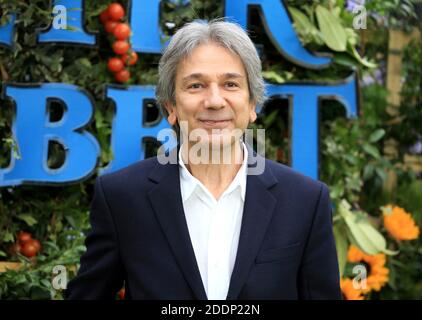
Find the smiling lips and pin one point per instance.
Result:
(214, 123)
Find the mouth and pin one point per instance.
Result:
(215, 123)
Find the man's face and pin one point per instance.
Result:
(212, 94)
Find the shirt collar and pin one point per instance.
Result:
(189, 183)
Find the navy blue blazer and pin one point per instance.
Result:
(139, 237)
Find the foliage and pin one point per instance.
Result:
(406, 126)
(394, 13)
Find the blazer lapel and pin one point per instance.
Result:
(166, 200)
(258, 210)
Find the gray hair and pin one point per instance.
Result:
(227, 34)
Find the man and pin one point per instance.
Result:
(205, 229)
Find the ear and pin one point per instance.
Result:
(252, 113)
(171, 109)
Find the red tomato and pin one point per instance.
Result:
(104, 16)
(116, 11)
(121, 47)
(29, 250)
(36, 244)
(109, 26)
(121, 31)
(115, 64)
(132, 60)
(122, 76)
(122, 294)
(24, 237)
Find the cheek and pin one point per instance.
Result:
(181, 111)
(184, 113)
(185, 108)
(242, 120)
(243, 112)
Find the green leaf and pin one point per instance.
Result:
(300, 19)
(45, 283)
(304, 26)
(381, 173)
(271, 118)
(371, 150)
(333, 33)
(336, 191)
(368, 172)
(14, 146)
(8, 237)
(71, 221)
(377, 135)
(72, 28)
(85, 62)
(361, 60)
(345, 59)
(30, 220)
(272, 75)
(341, 247)
(369, 239)
(352, 37)
(20, 279)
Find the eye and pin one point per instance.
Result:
(195, 86)
(231, 84)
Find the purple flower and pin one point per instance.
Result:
(352, 4)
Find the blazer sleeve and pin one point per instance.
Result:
(100, 275)
(319, 273)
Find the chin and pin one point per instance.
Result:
(221, 141)
(215, 138)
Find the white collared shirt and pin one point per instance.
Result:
(214, 226)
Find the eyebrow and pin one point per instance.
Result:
(227, 75)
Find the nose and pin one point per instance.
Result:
(214, 99)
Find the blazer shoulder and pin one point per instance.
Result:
(294, 179)
(127, 176)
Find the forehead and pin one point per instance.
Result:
(209, 60)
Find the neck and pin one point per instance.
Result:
(217, 169)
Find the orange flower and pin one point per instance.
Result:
(378, 273)
(354, 254)
(400, 224)
(348, 290)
